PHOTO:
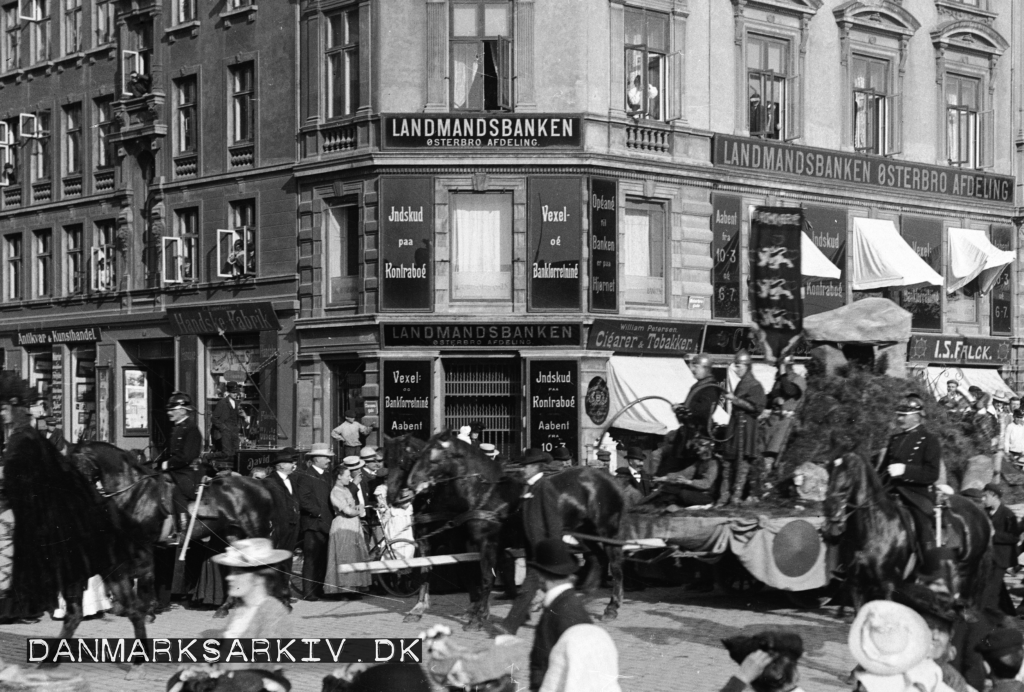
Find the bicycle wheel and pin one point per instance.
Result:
(404, 582)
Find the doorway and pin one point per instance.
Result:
(156, 357)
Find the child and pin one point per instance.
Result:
(768, 662)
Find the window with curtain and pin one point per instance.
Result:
(646, 43)
(343, 258)
(342, 69)
(481, 246)
(481, 55)
(645, 253)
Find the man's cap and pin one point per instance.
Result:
(911, 404)
(634, 453)
(476, 426)
(320, 449)
(1004, 639)
(972, 493)
(368, 453)
(536, 456)
(353, 463)
(231, 386)
(286, 456)
(488, 449)
(561, 453)
(952, 382)
(350, 413)
(552, 556)
(994, 489)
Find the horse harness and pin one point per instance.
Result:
(476, 513)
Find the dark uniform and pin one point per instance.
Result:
(185, 446)
(742, 445)
(921, 452)
(693, 416)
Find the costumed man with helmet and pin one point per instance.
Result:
(693, 416)
(911, 466)
(748, 401)
(185, 446)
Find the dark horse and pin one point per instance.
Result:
(874, 534)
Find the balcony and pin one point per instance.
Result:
(644, 136)
(330, 139)
(138, 118)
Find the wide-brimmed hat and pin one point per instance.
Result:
(353, 463)
(287, 455)
(536, 456)
(320, 449)
(889, 638)
(552, 556)
(368, 453)
(251, 552)
(489, 449)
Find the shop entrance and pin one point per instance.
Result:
(156, 358)
(348, 378)
(488, 390)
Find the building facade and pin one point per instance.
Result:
(518, 212)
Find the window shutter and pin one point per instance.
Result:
(225, 253)
(893, 105)
(793, 126)
(248, 235)
(505, 80)
(674, 85)
(987, 137)
(172, 260)
(5, 177)
(186, 260)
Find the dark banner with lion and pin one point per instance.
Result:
(775, 277)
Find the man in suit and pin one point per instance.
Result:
(635, 473)
(285, 519)
(184, 447)
(911, 466)
(562, 607)
(315, 484)
(748, 401)
(226, 422)
(1004, 546)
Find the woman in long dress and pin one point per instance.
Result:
(347, 543)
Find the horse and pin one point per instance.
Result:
(874, 534)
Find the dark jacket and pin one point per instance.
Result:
(285, 518)
(701, 401)
(185, 446)
(743, 421)
(225, 422)
(564, 612)
(315, 500)
(1004, 540)
(644, 485)
(920, 451)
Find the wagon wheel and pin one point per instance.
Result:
(403, 582)
(734, 578)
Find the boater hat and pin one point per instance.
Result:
(368, 454)
(353, 463)
(251, 552)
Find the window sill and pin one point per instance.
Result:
(17, 73)
(958, 9)
(172, 31)
(45, 67)
(77, 58)
(248, 13)
(98, 51)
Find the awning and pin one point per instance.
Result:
(972, 256)
(632, 377)
(986, 379)
(881, 258)
(813, 262)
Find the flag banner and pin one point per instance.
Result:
(775, 276)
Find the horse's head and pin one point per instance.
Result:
(400, 454)
(447, 457)
(843, 473)
(83, 459)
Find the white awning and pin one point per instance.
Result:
(813, 262)
(987, 379)
(881, 257)
(971, 255)
(632, 377)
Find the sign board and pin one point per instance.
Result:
(959, 350)
(406, 233)
(1002, 292)
(645, 338)
(472, 335)
(136, 402)
(598, 400)
(481, 131)
(776, 280)
(68, 335)
(406, 394)
(249, 459)
(553, 392)
(726, 214)
(604, 238)
(924, 303)
(827, 165)
(553, 235)
(826, 227)
(57, 385)
(247, 317)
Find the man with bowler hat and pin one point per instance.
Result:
(315, 484)
(635, 473)
(748, 401)
(1006, 534)
(283, 489)
(226, 422)
(562, 607)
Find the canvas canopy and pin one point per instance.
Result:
(971, 256)
(880, 258)
(871, 321)
(632, 377)
(813, 262)
(987, 379)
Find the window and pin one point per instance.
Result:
(12, 38)
(104, 149)
(343, 249)
(72, 26)
(771, 92)
(875, 119)
(186, 11)
(236, 247)
(39, 28)
(481, 246)
(37, 129)
(44, 263)
(186, 125)
(73, 139)
(104, 268)
(9, 152)
(646, 48)
(103, 23)
(481, 54)
(342, 63)
(12, 249)
(645, 253)
(238, 4)
(180, 249)
(968, 129)
(74, 276)
(242, 103)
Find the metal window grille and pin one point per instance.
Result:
(489, 391)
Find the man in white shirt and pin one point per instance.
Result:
(1015, 437)
(351, 434)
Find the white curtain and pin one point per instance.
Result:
(482, 230)
(466, 68)
(638, 244)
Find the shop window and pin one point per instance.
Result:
(8, 152)
(12, 252)
(772, 90)
(243, 103)
(73, 139)
(186, 11)
(875, 110)
(343, 248)
(236, 358)
(74, 267)
(236, 247)
(103, 259)
(179, 250)
(104, 123)
(962, 305)
(43, 278)
(342, 58)
(969, 129)
(37, 14)
(41, 375)
(647, 44)
(481, 246)
(187, 114)
(83, 394)
(645, 253)
(487, 391)
(35, 129)
(481, 55)
(103, 22)
(72, 26)
(12, 38)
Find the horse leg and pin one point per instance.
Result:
(416, 614)
(594, 568)
(144, 572)
(72, 618)
(488, 558)
(614, 554)
(121, 589)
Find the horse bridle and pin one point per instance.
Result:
(95, 475)
(489, 516)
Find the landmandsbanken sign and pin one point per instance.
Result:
(480, 335)
(69, 335)
(492, 131)
(254, 317)
(959, 350)
(827, 164)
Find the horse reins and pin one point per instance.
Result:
(489, 516)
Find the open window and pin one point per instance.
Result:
(236, 253)
(481, 55)
(179, 260)
(131, 61)
(104, 275)
(876, 109)
(30, 10)
(28, 125)
(6, 168)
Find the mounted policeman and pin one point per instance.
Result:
(184, 448)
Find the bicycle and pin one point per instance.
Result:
(401, 583)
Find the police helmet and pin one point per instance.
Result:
(179, 400)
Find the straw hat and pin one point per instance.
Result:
(320, 449)
(368, 454)
(251, 552)
(888, 638)
(353, 463)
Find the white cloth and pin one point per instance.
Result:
(926, 676)
(287, 483)
(813, 262)
(1015, 438)
(971, 256)
(584, 659)
(240, 619)
(632, 377)
(880, 257)
(94, 598)
(550, 596)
